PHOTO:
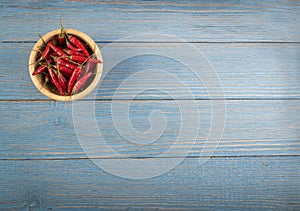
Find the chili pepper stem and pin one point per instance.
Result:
(61, 26)
(46, 81)
(42, 39)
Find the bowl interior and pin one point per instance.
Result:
(49, 90)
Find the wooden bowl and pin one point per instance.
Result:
(48, 89)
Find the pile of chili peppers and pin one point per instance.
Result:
(67, 63)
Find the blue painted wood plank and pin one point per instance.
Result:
(254, 47)
(42, 130)
(252, 183)
(223, 21)
(245, 71)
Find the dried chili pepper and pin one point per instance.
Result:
(54, 80)
(81, 82)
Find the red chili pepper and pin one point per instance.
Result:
(81, 82)
(73, 78)
(72, 47)
(73, 52)
(68, 72)
(63, 62)
(49, 59)
(75, 41)
(62, 81)
(89, 67)
(53, 54)
(78, 59)
(46, 52)
(81, 59)
(57, 50)
(95, 61)
(66, 77)
(61, 39)
(40, 69)
(54, 80)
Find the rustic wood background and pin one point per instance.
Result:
(255, 49)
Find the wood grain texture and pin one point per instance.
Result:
(268, 183)
(222, 21)
(254, 48)
(245, 71)
(45, 130)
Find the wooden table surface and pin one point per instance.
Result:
(254, 48)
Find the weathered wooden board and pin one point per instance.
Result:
(245, 71)
(222, 21)
(254, 48)
(45, 130)
(263, 183)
